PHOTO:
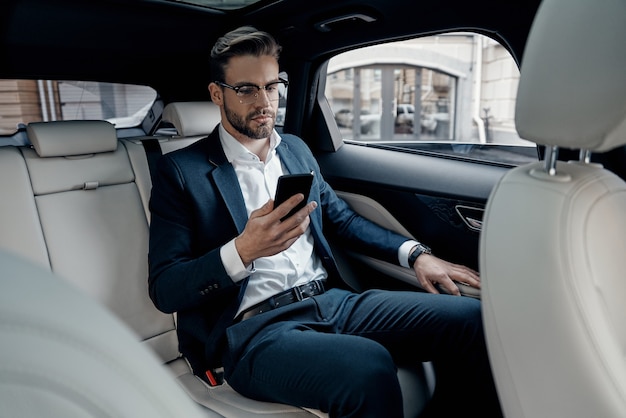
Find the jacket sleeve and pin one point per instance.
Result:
(355, 232)
(344, 225)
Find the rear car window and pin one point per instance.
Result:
(25, 101)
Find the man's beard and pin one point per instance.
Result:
(240, 124)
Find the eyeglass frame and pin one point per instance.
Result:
(258, 89)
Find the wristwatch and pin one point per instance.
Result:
(419, 250)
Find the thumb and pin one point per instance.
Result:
(263, 210)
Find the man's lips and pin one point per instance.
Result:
(261, 119)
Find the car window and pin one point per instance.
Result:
(282, 101)
(450, 94)
(25, 101)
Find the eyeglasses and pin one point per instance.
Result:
(249, 93)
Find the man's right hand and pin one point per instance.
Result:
(265, 235)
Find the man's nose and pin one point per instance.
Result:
(263, 98)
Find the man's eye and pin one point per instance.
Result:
(246, 90)
(270, 88)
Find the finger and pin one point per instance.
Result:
(466, 270)
(466, 276)
(450, 287)
(263, 210)
(286, 232)
(297, 224)
(283, 209)
(428, 286)
(301, 215)
(471, 273)
(469, 282)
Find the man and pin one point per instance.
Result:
(263, 297)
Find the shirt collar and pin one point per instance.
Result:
(234, 150)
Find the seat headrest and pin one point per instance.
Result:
(75, 137)
(192, 118)
(572, 89)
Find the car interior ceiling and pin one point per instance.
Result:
(151, 39)
(143, 46)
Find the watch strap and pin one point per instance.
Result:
(419, 250)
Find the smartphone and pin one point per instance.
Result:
(291, 184)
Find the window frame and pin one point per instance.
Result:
(508, 154)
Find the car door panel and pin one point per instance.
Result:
(439, 201)
(377, 213)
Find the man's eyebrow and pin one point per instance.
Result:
(248, 83)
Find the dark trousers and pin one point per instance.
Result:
(338, 351)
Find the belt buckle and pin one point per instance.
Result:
(300, 296)
(311, 289)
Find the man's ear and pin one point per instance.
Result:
(216, 94)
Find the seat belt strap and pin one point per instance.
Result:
(153, 153)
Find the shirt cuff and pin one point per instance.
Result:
(403, 252)
(232, 262)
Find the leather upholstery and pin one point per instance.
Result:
(572, 90)
(84, 216)
(553, 246)
(192, 118)
(63, 355)
(61, 142)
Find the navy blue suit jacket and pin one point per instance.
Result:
(197, 206)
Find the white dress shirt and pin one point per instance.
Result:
(296, 265)
(268, 275)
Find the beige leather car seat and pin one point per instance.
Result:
(192, 119)
(89, 207)
(79, 209)
(553, 246)
(64, 355)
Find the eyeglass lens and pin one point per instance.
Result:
(250, 94)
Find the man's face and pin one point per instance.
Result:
(253, 120)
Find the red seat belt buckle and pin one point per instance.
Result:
(215, 377)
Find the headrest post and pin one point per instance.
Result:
(585, 156)
(552, 153)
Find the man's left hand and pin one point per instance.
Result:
(432, 271)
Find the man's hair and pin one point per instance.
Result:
(246, 40)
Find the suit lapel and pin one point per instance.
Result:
(291, 162)
(295, 165)
(227, 184)
(226, 181)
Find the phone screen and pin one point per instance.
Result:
(291, 184)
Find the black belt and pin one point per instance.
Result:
(295, 294)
